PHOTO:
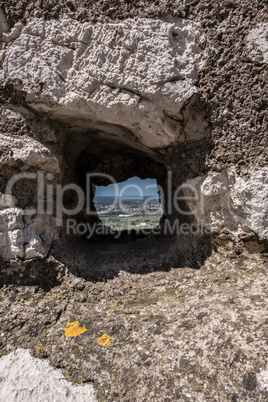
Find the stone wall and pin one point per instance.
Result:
(182, 86)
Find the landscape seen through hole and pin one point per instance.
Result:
(135, 204)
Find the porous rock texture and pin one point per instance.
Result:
(180, 335)
(129, 85)
(138, 88)
(184, 91)
(135, 75)
(24, 236)
(258, 43)
(232, 204)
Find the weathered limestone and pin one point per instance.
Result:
(130, 80)
(131, 85)
(190, 334)
(228, 203)
(262, 379)
(23, 236)
(258, 43)
(38, 381)
(27, 153)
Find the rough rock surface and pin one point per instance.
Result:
(27, 153)
(23, 236)
(4, 26)
(258, 43)
(38, 381)
(136, 76)
(229, 203)
(177, 335)
(132, 82)
(129, 84)
(262, 379)
(234, 87)
(140, 96)
(178, 332)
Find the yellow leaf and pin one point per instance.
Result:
(104, 340)
(73, 329)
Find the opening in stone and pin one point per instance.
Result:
(132, 204)
(140, 180)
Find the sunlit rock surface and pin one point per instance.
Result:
(38, 381)
(258, 43)
(228, 203)
(132, 79)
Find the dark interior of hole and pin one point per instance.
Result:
(105, 256)
(120, 165)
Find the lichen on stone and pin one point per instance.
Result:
(104, 340)
(73, 329)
